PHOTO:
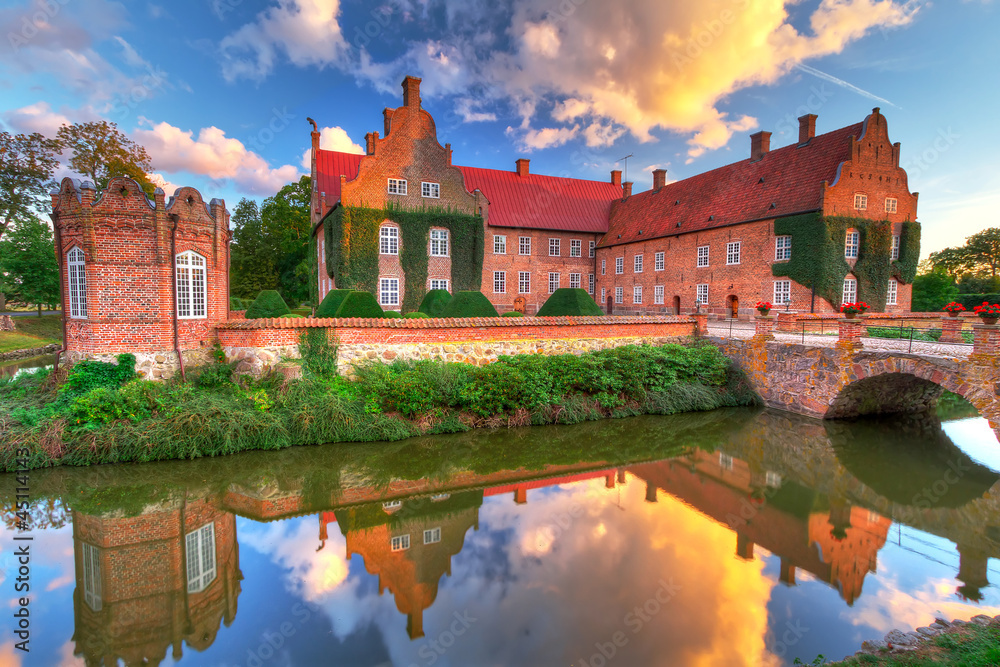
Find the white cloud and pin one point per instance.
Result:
(307, 32)
(37, 117)
(546, 137)
(465, 107)
(332, 139)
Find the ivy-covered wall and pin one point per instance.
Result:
(818, 256)
(352, 250)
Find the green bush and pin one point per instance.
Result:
(970, 301)
(87, 375)
(569, 301)
(319, 355)
(391, 314)
(236, 303)
(416, 315)
(103, 405)
(213, 375)
(267, 304)
(331, 302)
(293, 315)
(469, 304)
(434, 302)
(359, 304)
(512, 313)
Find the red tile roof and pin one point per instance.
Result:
(792, 178)
(534, 201)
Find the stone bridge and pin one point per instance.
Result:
(848, 381)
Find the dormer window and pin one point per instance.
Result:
(432, 190)
(397, 186)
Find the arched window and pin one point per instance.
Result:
(191, 286)
(77, 275)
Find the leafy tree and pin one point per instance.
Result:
(979, 257)
(28, 263)
(101, 152)
(27, 164)
(932, 291)
(285, 222)
(252, 268)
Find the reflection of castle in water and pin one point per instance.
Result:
(171, 575)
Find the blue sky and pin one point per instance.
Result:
(219, 90)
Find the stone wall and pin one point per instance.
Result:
(160, 365)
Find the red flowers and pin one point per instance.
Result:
(851, 309)
(988, 310)
(764, 305)
(954, 307)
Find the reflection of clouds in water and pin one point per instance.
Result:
(52, 561)
(975, 437)
(67, 659)
(292, 544)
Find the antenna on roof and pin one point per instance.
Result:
(625, 160)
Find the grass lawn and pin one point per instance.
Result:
(14, 341)
(970, 646)
(32, 332)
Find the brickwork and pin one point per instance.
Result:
(764, 327)
(951, 328)
(849, 334)
(126, 240)
(986, 340)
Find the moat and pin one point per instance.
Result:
(733, 537)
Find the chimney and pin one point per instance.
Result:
(447, 151)
(387, 119)
(807, 128)
(760, 144)
(371, 139)
(616, 177)
(626, 189)
(522, 167)
(659, 178)
(411, 92)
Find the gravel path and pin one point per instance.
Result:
(884, 344)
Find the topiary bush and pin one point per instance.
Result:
(331, 302)
(417, 315)
(293, 315)
(434, 302)
(359, 304)
(469, 304)
(569, 301)
(512, 313)
(391, 315)
(236, 303)
(267, 304)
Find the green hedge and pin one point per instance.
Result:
(416, 316)
(469, 304)
(359, 304)
(569, 301)
(512, 313)
(970, 301)
(331, 302)
(236, 303)
(434, 302)
(267, 304)
(391, 315)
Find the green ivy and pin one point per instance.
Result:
(352, 240)
(818, 256)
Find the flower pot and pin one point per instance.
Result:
(851, 314)
(954, 314)
(991, 320)
(763, 311)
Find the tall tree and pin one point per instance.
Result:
(252, 268)
(102, 152)
(285, 222)
(979, 257)
(27, 164)
(28, 264)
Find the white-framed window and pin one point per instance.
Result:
(733, 252)
(524, 282)
(703, 255)
(637, 264)
(725, 461)
(439, 243)
(619, 265)
(890, 299)
(392, 505)
(782, 248)
(782, 292)
(894, 254)
(619, 295)
(658, 262)
(658, 294)
(400, 543)
(890, 204)
(199, 550)
(438, 283)
(388, 240)
(772, 479)
(860, 202)
(590, 283)
(637, 294)
(604, 295)
(432, 536)
(574, 280)
(76, 271)
(388, 292)
(91, 576)
(701, 293)
(604, 266)
(851, 245)
(432, 190)
(397, 186)
(553, 247)
(524, 245)
(575, 248)
(593, 248)
(499, 282)
(192, 290)
(499, 244)
(553, 282)
(850, 291)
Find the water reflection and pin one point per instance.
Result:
(698, 538)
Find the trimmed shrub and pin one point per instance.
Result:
(293, 315)
(359, 304)
(469, 304)
(417, 315)
(391, 315)
(434, 302)
(331, 302)
(970, 301)
(267, 304)
(236, 303)
(569, 301)
(512, 313)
